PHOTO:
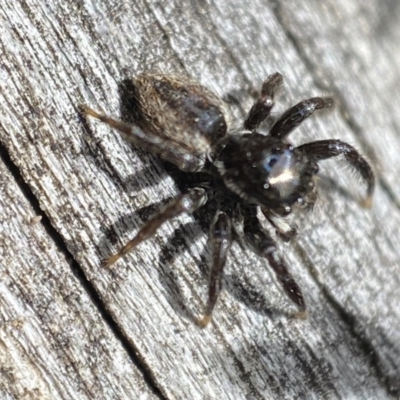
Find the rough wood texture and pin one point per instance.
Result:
(54, 343)
(96, 191)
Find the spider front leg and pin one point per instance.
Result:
(295, 115)
(221, 240)
(262, 243)
(187, 203)
(263, 106)
(323, 149)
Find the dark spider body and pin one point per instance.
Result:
(188, 126)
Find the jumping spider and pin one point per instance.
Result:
(187, 125)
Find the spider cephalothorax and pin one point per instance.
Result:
(187, 125)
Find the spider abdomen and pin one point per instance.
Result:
(181, 111)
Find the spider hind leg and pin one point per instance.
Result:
(186, 203)
(220, 239)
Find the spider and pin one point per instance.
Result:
(243, 171)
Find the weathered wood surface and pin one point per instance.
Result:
(54, 343)
(96, 191)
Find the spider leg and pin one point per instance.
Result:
(221, 239)
(186, 203)
(323, 149)
(284, 230)
(262, 243)
(151, 142)
(262, 107)
(295, 115)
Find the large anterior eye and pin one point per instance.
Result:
(270, 161)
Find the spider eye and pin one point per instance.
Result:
(270, 161)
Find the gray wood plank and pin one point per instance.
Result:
(97, 190)
(54, 344)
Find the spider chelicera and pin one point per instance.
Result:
(244, 171)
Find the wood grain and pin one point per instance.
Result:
(97, 190)
(54, 343)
